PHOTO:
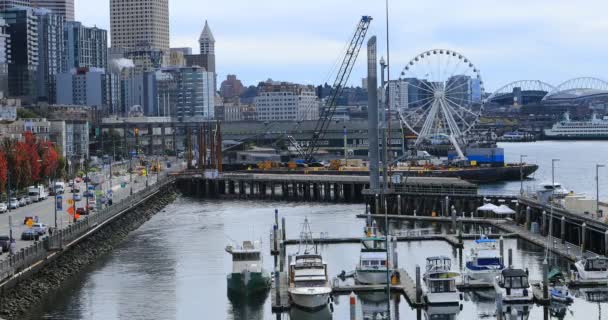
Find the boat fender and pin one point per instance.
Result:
(331, 307)
(331, 298)
(461, 297)
(525, 292)
(461, 307)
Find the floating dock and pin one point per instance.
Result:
(280, 298)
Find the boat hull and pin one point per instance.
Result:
(248, 283)
(443, 298)
(309, 298)
(486, 276)
(371, 276)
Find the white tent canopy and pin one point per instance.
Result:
(487, 207)
(503, 209)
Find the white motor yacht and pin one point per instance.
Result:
(309, 287)
(440, 281)
(591, 269)
(513, 286)
(484, 263)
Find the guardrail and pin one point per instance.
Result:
(39, 250)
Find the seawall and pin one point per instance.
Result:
(29, 288)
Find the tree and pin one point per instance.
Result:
(50, 159)
(3, 171)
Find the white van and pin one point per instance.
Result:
(59, 187)
(37, 193)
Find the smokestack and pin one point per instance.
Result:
(372, 114)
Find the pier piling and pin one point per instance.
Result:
(501, 244)
(418, 287)
(562, 233)
(353, 306)
(545, 279)
(510, 255)
(583, 237)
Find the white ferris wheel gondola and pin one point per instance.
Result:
(444, 97)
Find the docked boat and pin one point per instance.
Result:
(309, 286)
(567, 129)
(373, 267)
(558, 289)
(248, 276)
(484, 263)
(513, 286)
(556, 189)
(591, 269)
(440, 281)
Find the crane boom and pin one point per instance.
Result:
(348, 62)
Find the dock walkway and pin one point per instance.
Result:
(282, 303)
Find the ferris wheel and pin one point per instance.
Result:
(441, 94)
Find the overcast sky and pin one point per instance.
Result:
(300, 41)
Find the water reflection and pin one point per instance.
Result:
(516, 311)
(249, 307)
(441, 312)
(374, 305)
(296, 313)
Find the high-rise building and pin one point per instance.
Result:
(398, 95)
(231, 88)
(64, 8)
(51, 53)
(7, 4)
(183, 50)
(82, 86)
(188, 91)
(23, 66)
(85, 47)
(206, 57)
(286, 101)
(136, 24)
(5, 57)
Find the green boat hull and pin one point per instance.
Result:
(248, 283)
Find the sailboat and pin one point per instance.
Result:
(308, 281)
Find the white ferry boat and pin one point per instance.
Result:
(567, 129)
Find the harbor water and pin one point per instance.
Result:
(175, 266)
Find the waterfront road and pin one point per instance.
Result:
(45, 209)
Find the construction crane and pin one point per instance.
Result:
(348, 62)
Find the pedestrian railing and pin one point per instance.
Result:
(39, 250)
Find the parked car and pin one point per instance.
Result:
(40, 228)
(75, 190)
(81, 211)
(77, 197)
(13, 204)
(5, 243)
(29, 235)
(88, 194)
(22, 202)
(3, 207)
(28, 200)
(71, 183)
(78, 180)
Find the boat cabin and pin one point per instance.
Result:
(514, 279)
(308, 270)
(373, 260)
(596, 264)
(438, 264)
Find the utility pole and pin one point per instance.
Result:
(345, 146)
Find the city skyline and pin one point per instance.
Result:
(301, 41)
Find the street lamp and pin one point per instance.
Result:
(521, 173)
(553, 161)
(597, 188)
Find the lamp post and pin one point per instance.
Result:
(521, 173)
(553, 161)
(597, 188)
(131, 174)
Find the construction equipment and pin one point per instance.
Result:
(348, 62)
